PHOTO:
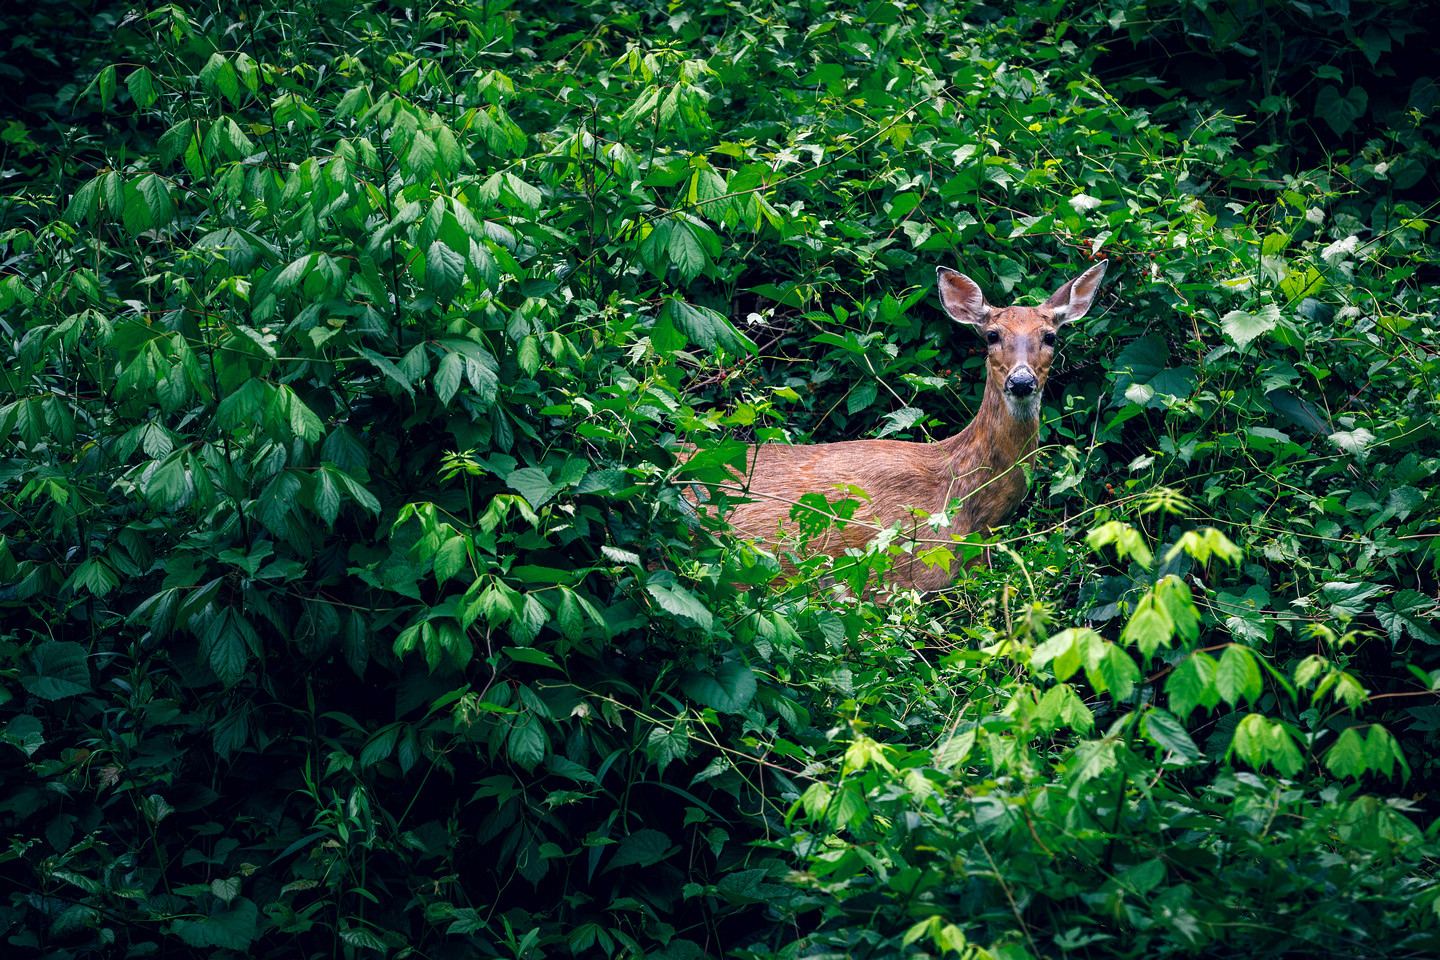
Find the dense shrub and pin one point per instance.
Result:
(351, 604)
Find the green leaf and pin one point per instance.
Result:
(364, 940)
(444, 272)
(664, 745)
(387, 367)
(326, 497)
(1174, 595)
(230, 929)
(1192, 684)
(900, 420)
(1260, 742)
(1346, 756)
(422, 156)
(95, 576)
(1339, 110)
(1242, 327)
(225, 890)
(61, 670)
(687, 252)
(526, 743)
(451, 558)
(643, 847)
(533, 483)
(380, 745)
(1412, 612)
(1238, 675)
(158, 201)
(106, 84)
(141, 84)
(1354, 442)
(730, 689)
(1150, 627)
(703, 326)
(1349, 600)
(447, 378)
(531, 655)
(226, 645)
(681, 603)
(24, 732)
(1162, 729)
(1114, 672)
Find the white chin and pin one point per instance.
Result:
(1023, 408)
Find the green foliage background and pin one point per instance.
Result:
(349, 604)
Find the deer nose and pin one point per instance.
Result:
(1021, 383)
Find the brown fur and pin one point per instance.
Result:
(978, 470)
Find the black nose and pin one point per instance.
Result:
(1021, 384)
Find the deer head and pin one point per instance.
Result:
(1021, 340)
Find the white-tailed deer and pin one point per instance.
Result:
(973, 480)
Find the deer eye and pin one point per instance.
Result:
(992, 336)
(1049, 339)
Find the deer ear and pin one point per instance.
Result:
(961, 297)
(1072, 301)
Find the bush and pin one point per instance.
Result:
(351, 600)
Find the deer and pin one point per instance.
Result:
(934, 492)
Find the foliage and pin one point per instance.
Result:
(355, 369)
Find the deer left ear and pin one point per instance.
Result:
(961, 297)
(1072, 301)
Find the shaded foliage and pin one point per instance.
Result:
(351, 602)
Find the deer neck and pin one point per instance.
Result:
(997, 439)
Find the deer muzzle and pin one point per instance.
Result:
(1021, 382)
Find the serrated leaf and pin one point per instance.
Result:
(141, 85)
(532, 483)
(861, 397)
(1349, 600)
(61, 670)
(531, 655)
(644, 847)
(230, 929)
(226, 646)
(1192, 684)
(422, 155)
(730, 689)
(528, 356)
(444, 271)
(526, 743)
(380, 745)
(689, 322)
(387, 367)
(1150, 627)
(364, 939)
(226, 889)
(1242, 327)
(1114, 672)
(1346, 756)
(326, 496)
(450, 559)
(1238, 675)
(681, 603)
(902, 419)
(1355, 442)
(1162, 729)
(1409, 611)
(447, 378)
(687, 252)
(25, 732)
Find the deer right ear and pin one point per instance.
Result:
(961, 297)
(1072, 301)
